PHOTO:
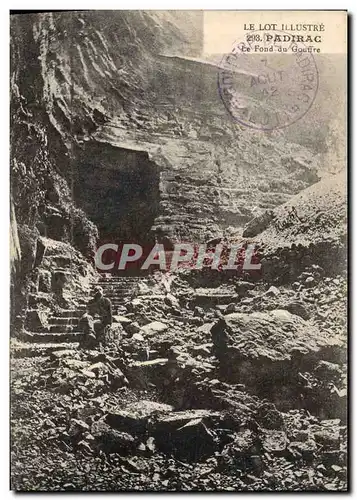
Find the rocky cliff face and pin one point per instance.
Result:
(98, 100)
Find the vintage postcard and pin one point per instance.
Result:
(179, 251)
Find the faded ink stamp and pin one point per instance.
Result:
(268, 81)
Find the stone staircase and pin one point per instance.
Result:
(62, 331)
(118, 289)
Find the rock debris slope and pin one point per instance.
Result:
(214, 383)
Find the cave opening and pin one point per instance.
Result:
(118, 189)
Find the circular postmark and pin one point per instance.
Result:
(268, 82)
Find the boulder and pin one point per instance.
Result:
(328, 434)
(196, 321)
(65, 353)
(328, 371)
(245, 443)
(310, 282)
(302, 450)
(131, 327)
(135, 347)
(188, 435)
(275, 334)
(259, 347)
(154, 327)
(212, 297)
(143, 289)
(269, 417)
(231, 308)
(77, 428)
(273, 441)
(75, 364)
(143, 373)
(113, 376)
(99, 369)
(299, 309)
(193, 441)
(167, 424)
(122, 319)
(113, 335)
(110, 440)
(198, 312)
(242, 287)
(136, 305)
(205, 328)
(201, 350)
(171, 301)
(134, 418)
(243, 453)
(273, 291)
(138, 337)
(329, 438)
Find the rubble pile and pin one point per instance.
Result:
(237, 387)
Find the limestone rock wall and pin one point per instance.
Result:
(91, 79)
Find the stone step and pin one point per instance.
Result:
(68, 313)
(115, 283)
(118, 288)
(128, 284)
(118, 302)
(120, 278)
(33, 349)
(117, 295)
(61, 328)
(67, 320)
(54, 337)
(122, 286)
(113, 300)
(113, 289)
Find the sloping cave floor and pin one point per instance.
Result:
(49, 404)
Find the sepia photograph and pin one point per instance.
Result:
(178, 251)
